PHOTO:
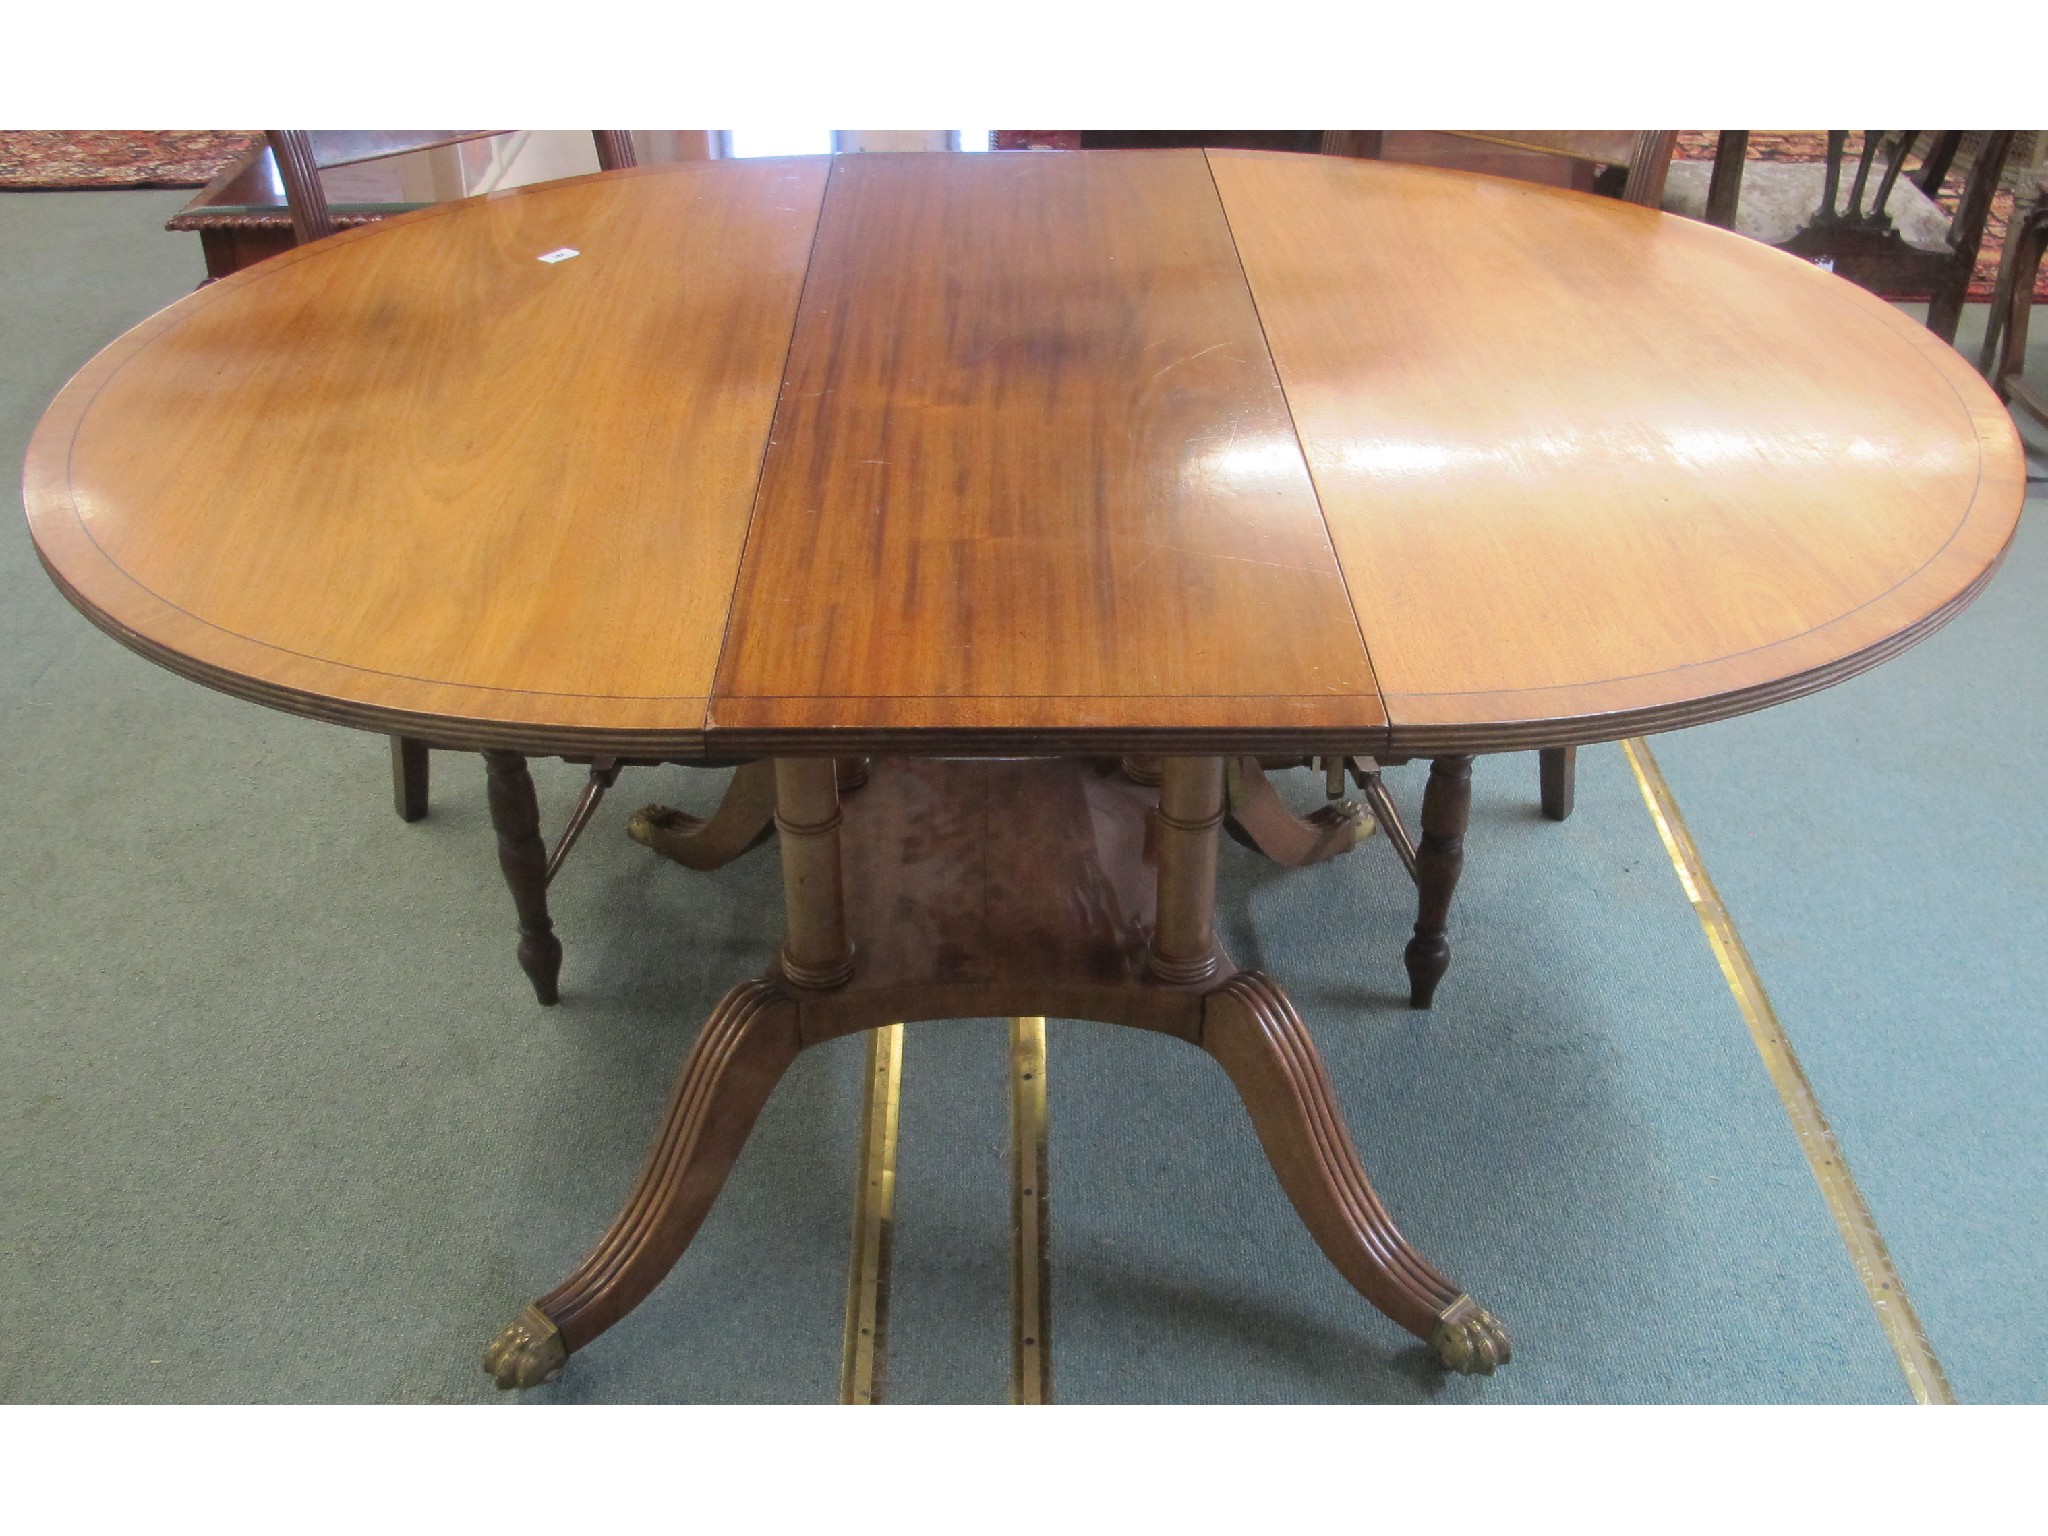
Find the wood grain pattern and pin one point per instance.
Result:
(1589, 465)
(1031, 456)
(1035, 484)
(416, 469)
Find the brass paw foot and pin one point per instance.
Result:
(1469, 1340)
(1351, 813)
(529, 1352)
(646, 825)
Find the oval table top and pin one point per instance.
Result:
(1025, 453)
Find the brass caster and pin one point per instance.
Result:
(529, 1352)
(1469, 1340)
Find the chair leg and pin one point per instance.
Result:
(2005, 340)
(409, 777)
(1558, 769)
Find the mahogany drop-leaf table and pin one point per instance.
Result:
(999, 470)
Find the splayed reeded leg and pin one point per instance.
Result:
(745, 1047)
(743, 820)
(1446, 807)
(1249, 1026)
(1258, 816)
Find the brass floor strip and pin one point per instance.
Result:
(864, 1358)
(1852, 1216)
(1030, 1208)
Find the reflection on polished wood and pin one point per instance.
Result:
(1031, 432)
(537, 476)
(1583, 459)
(978, 889)
(1166, 457)
(1135, 452)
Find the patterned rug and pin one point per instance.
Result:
(1812, 148)
(48, 162)
(33, 160)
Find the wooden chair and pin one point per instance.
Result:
(1629, 164)
(2004, 356)
(1902, 239)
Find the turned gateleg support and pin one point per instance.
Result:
(740, 1055)
(523, 855)
(1253, 1032)
(409, 768)
(1439, 856)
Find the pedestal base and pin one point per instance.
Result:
(980, 889)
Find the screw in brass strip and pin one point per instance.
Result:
(1816, 1138)
(863, 1358)
(1030, 1210)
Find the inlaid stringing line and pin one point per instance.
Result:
(1030, 1208)
(864, 1354)
(1866, 1245)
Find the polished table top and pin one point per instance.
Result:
(1122, 451)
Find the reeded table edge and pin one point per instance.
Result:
(1394, 738)
(1425, 739)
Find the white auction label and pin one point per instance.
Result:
(562, 255)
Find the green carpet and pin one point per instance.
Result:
(1876, 843)
(279, 1120)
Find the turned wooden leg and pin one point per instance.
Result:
(744, 819)
(1446, 806)
(1558, 769)
(515, 812)
(409, 777)
(742, 1052)
(1252, 1030)
(1190, 811)
(816, 951)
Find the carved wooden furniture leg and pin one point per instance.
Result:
(1446, 806)
(744, 819)
(409, 777)
(515, 813)
(1252, 1030)
(816, 951)
(1558, 768)
(982, 889)
(1260, 818)
(745, 1047)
